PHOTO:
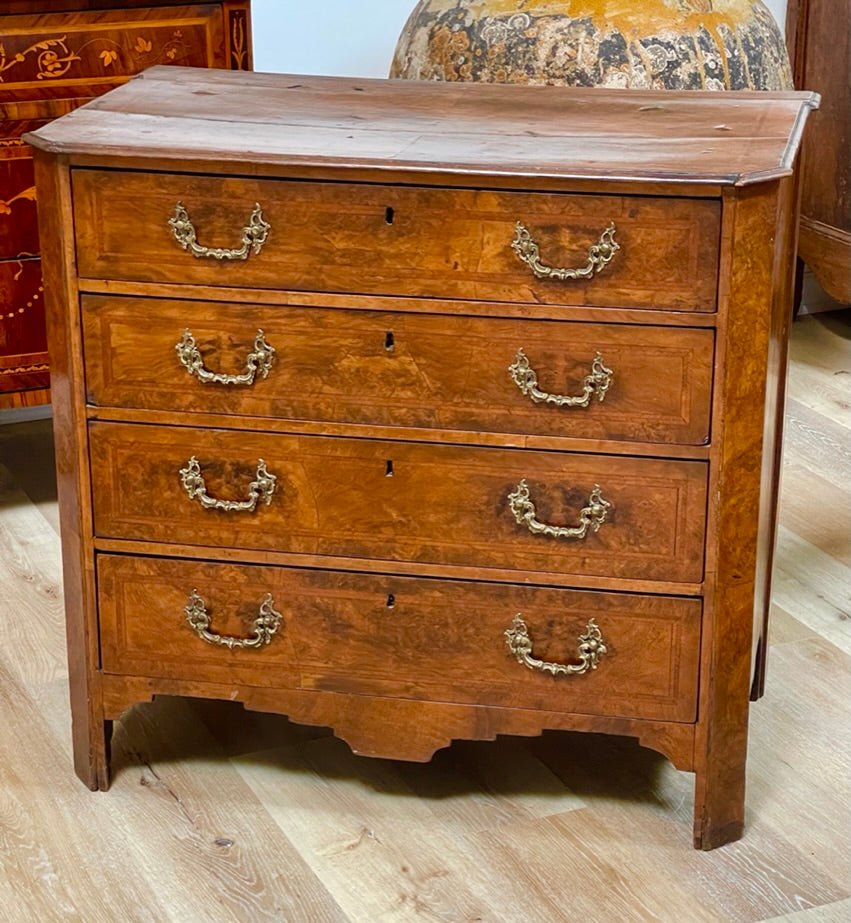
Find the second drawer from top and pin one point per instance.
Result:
(447, 372)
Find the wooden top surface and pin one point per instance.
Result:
(182, 114)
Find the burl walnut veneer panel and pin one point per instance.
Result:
(396, 636)
(422, 411)
(402, 369)
(402, 501)
(403, 241)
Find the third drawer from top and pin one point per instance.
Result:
(512, 509)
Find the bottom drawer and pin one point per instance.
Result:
(402, 637)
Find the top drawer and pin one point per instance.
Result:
(370, 239)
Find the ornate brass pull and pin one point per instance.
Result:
(526, 379)
(591, 648)
(266, 624)
(260, 490)
(260, 360)
(254, 235)
(599, 255)
(591, 516)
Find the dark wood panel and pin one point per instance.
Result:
(54, 58)
(105, 45)
(819, 35)
(401, 501)
(22, 334)
(388, 368)
(18, 213)
(400, 637)
(392, 240)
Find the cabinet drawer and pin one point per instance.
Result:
(383, 368)
(398, 636)
(401, 501)
(338, 237)
(105, 47)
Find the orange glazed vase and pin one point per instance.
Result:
(642, 44)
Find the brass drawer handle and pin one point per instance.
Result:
(260, 360)
(526, 378)
(266, 624)
(599, 255)
(591, 516)
(591, 647)
(259, 491)
(254, 235)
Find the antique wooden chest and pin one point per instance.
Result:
(422, 411)
(55, 56)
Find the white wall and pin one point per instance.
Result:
(347, 37)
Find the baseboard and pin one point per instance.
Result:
(25, 414)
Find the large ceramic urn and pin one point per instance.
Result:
(658, 44)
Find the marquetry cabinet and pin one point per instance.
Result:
(55, 56)
(422, 412)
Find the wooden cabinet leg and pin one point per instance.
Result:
(92, 749)
(719, 798)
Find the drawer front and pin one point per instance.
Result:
(105, 47)
(401, 501)
(399, 637)
(651, 384)
(335, 237)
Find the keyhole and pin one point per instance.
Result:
(389, 214)
(388, 468)
(391, 600)
(389, 341)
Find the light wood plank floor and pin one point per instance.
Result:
(217, 814)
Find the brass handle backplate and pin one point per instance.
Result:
(254, 235)
(259, 490)
(259, 360)
(590, 517)
(597, 383)
(599, 255)
(268, 621)
(590, 648)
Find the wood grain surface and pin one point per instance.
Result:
(821, 59)
(398, 637)
(397, 369)
(420, 509)
(500, 131)
(53, 58)
(401, 501)
(394, 240)
(220, 814)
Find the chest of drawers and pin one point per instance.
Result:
(54, 56)
(422, 412)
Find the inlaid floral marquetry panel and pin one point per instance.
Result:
(101, 45)
(51, 63)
